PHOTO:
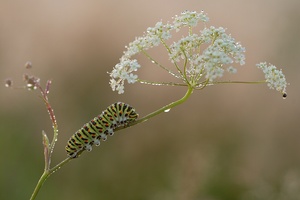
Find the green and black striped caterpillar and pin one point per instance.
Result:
(116, 115)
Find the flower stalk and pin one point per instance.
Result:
(45, 175)
(161, 110)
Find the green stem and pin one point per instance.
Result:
(167, 107)
(45, 175)
(58, 166)
(169, 51)
(160, 65)
(161, 83)
(243, 82)
(39, 184)
(163, 109)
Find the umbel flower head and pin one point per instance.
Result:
(274, 77)
(198, 58)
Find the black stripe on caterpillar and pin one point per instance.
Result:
(116, 115)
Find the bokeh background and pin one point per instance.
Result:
(227, 142)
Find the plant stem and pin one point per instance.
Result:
(39, 184)
(45, 175)
(243, 82)
(167, 107)
(48, 148)
(163, 109)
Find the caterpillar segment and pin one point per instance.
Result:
(116, 115)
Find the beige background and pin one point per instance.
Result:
(226, 142)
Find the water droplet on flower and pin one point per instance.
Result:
(8, 83)
(167, 110)
(284, 95)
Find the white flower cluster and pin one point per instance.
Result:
(274, 77)
(123, 71)
(188, 18)
(222, 50)
(198, 58)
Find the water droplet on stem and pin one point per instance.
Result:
(167, 110)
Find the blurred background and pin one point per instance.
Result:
(227, 142)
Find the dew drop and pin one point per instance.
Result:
(284, 95)
(8, 83)
(167, 110)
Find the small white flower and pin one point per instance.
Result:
(132, 78)
(113, 84)
(231, 70)
(188, 18)
(213, 72)
(123, 71)
(120, 89)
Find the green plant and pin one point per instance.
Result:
(198, 60)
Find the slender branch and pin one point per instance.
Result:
(185, 66)
(45, 175)
(160, 65)
(205, 83)
(244, 82)
(48, 148)
(162, 83)
(58, 166)
(39, 184)
(163, 109)
(174, 61)
(190, 30)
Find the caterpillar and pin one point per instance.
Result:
(116, 115)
